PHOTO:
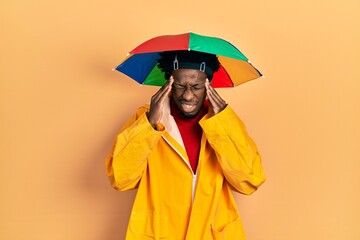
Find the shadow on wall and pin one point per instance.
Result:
(112, 207)
(118, 216)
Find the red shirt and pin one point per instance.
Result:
(191, 132)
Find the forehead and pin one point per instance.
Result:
(191, 76)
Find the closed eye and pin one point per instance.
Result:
(177, 86)
(197, 87)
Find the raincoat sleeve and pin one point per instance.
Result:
(235, 150)
(128, 158)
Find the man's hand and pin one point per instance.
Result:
(217, 103)
(157, 103)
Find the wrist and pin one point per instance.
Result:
(153, 124)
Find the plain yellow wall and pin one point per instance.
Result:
(61, 106)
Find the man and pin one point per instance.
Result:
(185, 153)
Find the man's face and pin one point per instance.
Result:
(188, 90)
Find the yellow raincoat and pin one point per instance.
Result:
(172, 201)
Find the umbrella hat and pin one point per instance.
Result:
(141, 63)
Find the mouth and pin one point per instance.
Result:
(188, 107)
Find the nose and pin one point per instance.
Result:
(188, 93)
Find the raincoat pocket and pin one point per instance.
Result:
(149, 224)
(227, 226)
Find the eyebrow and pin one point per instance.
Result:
(192, 85)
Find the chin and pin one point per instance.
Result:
(189, 114)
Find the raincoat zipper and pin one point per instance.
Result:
(194, 177)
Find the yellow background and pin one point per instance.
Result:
(61, 106)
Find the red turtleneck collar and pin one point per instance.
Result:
(191, 132)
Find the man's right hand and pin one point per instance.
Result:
(158, 101)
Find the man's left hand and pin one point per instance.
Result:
(217, 103)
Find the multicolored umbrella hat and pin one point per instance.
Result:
(141, 62)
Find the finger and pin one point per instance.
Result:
(214, 93)
(164, 94)
(168, 86)
(216, 101)
(164, 90)
(157, 103)
(208, 92)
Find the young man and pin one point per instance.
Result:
(185, 153)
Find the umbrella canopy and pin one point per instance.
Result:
(141, 62)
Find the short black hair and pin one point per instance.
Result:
(166, 61)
